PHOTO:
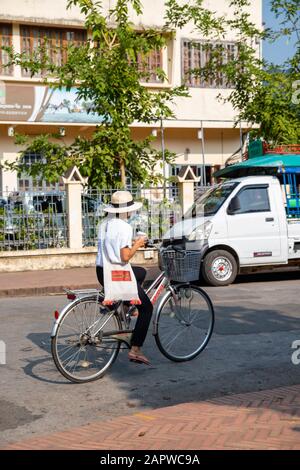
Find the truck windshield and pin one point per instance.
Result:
(210, 202)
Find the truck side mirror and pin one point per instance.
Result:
(234, 206)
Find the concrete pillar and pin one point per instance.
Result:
(186, 194)
(186, 185)
(74, 213)
(74, 182)
(9, 178)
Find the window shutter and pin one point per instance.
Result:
(5, 41)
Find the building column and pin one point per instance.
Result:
(16, 42)
(9, 178)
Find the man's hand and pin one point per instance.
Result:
(140, 242)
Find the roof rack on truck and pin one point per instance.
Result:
(282, 162)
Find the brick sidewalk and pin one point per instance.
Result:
(262, 420)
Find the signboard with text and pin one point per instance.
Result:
(38, 103)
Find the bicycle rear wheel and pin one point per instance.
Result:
(79, 353)
(183, 326)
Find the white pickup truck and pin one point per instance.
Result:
(239, 225)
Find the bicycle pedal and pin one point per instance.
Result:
(84, 364)
(134, 313)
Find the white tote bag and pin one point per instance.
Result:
(119, 280)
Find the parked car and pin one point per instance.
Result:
(3, 203)
(33, 220)
(239, 225)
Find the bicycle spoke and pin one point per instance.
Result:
(174, 338)
(66, 348)
(71, 327)
(84, 326)
(70, 358)
(184, 326)
(76, 360)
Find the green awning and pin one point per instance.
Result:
(265, 165)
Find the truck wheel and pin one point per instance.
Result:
(219, 268)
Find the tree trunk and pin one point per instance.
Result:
(123, 176)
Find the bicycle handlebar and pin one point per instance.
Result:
(150, 244)
(175, 248)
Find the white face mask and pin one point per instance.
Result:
(124, 216)
(132, 217)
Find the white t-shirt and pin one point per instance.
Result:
(118, 235)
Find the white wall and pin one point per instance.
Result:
(50, 11)
(153, 11)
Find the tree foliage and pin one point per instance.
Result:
(262, 93)
(108, 73)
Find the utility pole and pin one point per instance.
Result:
(162, 136)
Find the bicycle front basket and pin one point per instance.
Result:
(181, 266)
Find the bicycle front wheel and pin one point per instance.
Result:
(184, 323)
(82, 347)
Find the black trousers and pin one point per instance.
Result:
(145, 309)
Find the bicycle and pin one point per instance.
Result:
(87, 336)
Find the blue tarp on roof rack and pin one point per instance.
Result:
(265, 164)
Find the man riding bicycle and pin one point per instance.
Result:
(117, 240)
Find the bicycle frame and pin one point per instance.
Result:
(158, 285)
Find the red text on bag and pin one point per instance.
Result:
(120, 276)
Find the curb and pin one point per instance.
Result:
(46, 290)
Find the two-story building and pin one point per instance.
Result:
(203, 133)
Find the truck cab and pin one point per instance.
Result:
(238, 225)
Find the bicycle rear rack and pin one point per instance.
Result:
(78, 293)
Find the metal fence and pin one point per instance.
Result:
(32, 220)
(35, 219)
(161, 209)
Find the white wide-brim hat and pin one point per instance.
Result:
(122, 201)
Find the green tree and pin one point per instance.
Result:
(270, 96)
(262, 93)
(108, 72)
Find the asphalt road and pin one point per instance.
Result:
(256, 323)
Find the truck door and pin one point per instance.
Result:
(253, 226)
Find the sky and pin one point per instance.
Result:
(281, 50)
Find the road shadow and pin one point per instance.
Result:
(42, 367)
(288, 274)
(209, 376)
(258, 277)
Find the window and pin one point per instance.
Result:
(211, 201)
(197, 55)
(148, 64)
(253, 199)
(5, 41)
(55, 40)
(30, 183)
